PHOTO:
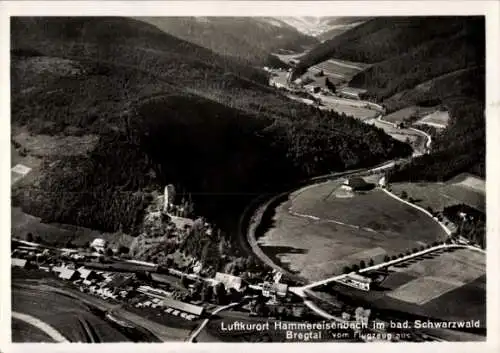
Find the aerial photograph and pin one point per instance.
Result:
(248, 179)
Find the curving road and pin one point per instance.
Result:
(43, 326)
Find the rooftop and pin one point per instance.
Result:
(359, 278)
(188, 308)
(19, 262)
(228, 280)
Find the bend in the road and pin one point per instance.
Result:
(43, 326)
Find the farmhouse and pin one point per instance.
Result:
(228, 280)
(88, 274)
(99, 244)
(350, 92)
(184, 307)
(358, 281)
(274, 289)
(278, 82)
(68, 274)
(313, 88)
(19, 262)
(354, 183)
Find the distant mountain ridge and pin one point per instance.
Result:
(323, 28)
(250, 39)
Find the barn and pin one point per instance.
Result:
(355, 183)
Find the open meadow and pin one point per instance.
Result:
(60, 234)
(408, 112)
(467, 190)
(445, 285)
(359, 113)
(339, 72)
(438, 119)
(341, 67)
(322, 228)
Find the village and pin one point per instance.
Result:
(183, 289)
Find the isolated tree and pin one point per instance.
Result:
(204, 254)
(330, 85)
(362, 264)
(355, 268)
(29, 237)
(386, 258)
(123, 249)
(220, 293)
(371, 263)
(109, 252)
(404, 195)
(394, 257)
(347, 269)
(184, 281)
(206, 293)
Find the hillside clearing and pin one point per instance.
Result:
(439, 119)
(408, 112)
(437, 196)
(60, 234)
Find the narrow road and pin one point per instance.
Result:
(46, 328)
(302, 291)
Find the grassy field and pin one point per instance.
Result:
(322, 228)
(440, 195)
(438, 119)
(470, 181)
(436, 276)
(405, 113)
(46, 145)
(342, 67)
(356, 112)
(450, 285)
(338, 71)
(60, 234)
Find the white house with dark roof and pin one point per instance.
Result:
(228, 280)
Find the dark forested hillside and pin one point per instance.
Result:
(250, 39)
(164, 111)
(431, 61)
(383, 38)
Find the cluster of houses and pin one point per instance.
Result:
(282, 79)
(126, 286)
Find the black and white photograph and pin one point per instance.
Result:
(229, 179)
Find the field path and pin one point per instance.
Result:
(445, 228)
(46, 328)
